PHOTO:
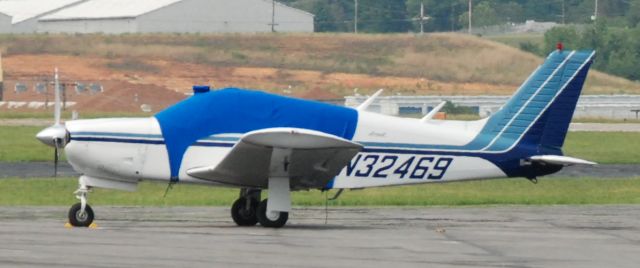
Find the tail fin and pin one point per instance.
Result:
(537, 117)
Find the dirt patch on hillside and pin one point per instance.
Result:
(127, 90)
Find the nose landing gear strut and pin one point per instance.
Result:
(81, 214)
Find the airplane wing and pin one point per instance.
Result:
(311, 158)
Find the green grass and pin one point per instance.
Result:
(604, 147)
(550, 191)
(515, 40)
(18, 144)
(605, 120)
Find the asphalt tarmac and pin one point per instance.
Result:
(512, 236)
(45, 169)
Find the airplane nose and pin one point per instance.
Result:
(54, 136)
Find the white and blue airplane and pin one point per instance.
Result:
(258, 141)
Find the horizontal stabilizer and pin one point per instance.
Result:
(561, 160)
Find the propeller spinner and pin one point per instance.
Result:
(56, 135)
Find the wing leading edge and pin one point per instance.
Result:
(310, 158)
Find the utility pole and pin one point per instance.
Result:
(1, 79)
(355, 17)
(453, 19)
(273, 16)
(563, 12)
(595, 11)
(421, 18)
(470, 16)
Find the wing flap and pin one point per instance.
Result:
(314, 158)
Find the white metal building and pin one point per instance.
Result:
(21, 16)
(589, 106)
(185, 16)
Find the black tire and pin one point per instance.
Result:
(265, 221)
(242, 216)
(79, 220)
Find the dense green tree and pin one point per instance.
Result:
(615, 34)
(484, 14)
(617, 49)
(596, 36)
(332, 15)
(383, 16)
(398, 15)
(443, 15)
(633, 14)
(510, 11)
(568, 35)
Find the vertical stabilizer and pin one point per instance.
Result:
(537, 117)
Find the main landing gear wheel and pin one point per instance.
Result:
(79, 218)
(267, 220)
(243, 211)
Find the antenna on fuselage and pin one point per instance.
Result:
(169, 187)
(363, 106)
(433, 112)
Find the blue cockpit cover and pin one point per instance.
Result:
(234, 110)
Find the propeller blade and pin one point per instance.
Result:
(56, 156)
(55, 163)
(57, 104)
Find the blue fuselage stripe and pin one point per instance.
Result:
(417, 150)
(130, 140)
(117, 140)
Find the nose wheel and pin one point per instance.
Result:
(81, 214)
(80, 218)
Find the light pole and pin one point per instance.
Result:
(421, 18)
(563, 12)
(273, 16)
(470, 15)
(355, 17)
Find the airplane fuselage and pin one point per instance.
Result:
(138, 152)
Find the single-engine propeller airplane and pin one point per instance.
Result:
(257, 141)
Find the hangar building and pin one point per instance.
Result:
(21, 16)
(185, 16)
(589, 106)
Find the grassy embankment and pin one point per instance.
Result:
(455, 59)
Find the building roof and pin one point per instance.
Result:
(21, 10)
(104, 9)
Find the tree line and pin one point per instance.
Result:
(617, 49)
(613, 30)
(384, 16)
